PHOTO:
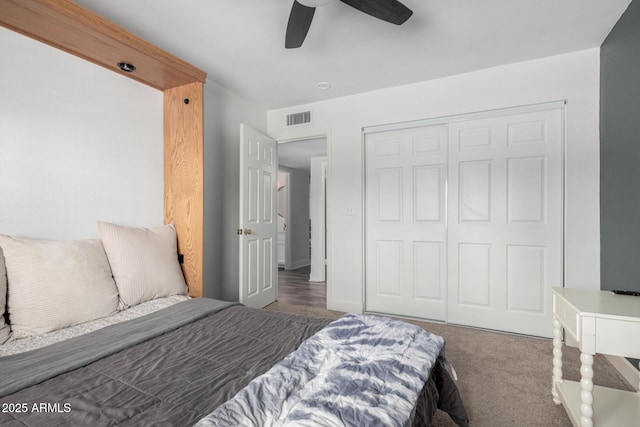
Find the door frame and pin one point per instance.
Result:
(318, 274)
(328, 205)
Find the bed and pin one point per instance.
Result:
(159, 357)
(101, 332)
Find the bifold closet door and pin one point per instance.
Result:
(505, 221)
(406, 249)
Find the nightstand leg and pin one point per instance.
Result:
(586, 395)
(557, 359)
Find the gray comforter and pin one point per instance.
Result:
(360, 370)
(196, 355)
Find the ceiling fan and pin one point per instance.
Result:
(302, 14)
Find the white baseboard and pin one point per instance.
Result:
(626, 369)
(317, 278)
(345, 306)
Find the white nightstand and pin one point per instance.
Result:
(600, 322)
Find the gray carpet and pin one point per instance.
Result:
(504, 379)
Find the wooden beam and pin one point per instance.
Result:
(81, 32)
(184, 177)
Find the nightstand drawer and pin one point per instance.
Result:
(602, 323)
(617, 337)
(567, 316)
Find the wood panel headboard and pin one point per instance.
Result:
(65, 25)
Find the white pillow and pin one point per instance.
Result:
(4, 328)
(144, 262)
(56, 284)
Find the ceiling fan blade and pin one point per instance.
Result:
(298, 26)
(388, 10)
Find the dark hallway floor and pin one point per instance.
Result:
(295, 288)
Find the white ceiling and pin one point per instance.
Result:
(240, 43)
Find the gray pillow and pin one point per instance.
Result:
(144, 262)
(56, 284)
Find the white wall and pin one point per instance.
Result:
(573, 77)
(224, 111)
(317, 215)
(78, 143)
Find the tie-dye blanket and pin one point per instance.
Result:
(360, 370)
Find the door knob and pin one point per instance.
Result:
(247, 231)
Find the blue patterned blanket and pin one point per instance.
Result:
(360, 370)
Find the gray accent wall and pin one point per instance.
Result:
(299, 217)
(620, 153)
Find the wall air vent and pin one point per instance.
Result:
(297, 119)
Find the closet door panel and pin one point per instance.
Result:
(406, 222)
(505, 232)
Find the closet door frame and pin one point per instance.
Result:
(447, 120)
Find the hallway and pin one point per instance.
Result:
(294, 288)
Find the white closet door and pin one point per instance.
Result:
(505, 221)
(406, 222)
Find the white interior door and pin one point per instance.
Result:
(505, 220)
(258, 218)
(406, 230)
